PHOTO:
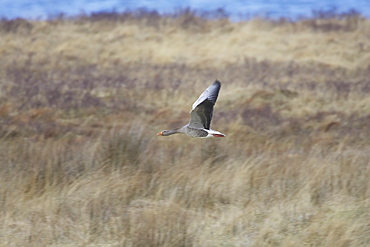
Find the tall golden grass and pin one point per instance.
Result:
(81, 101)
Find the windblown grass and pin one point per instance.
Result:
(81, 101)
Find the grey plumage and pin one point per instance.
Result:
(200, 115)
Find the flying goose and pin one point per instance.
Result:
(200, 116)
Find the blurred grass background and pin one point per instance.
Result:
(81, 101)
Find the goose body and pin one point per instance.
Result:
(200, 116)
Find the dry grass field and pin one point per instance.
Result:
(81, 101)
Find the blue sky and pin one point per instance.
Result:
(274, 8)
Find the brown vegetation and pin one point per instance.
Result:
(81, 101)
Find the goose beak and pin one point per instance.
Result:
(160, 134)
